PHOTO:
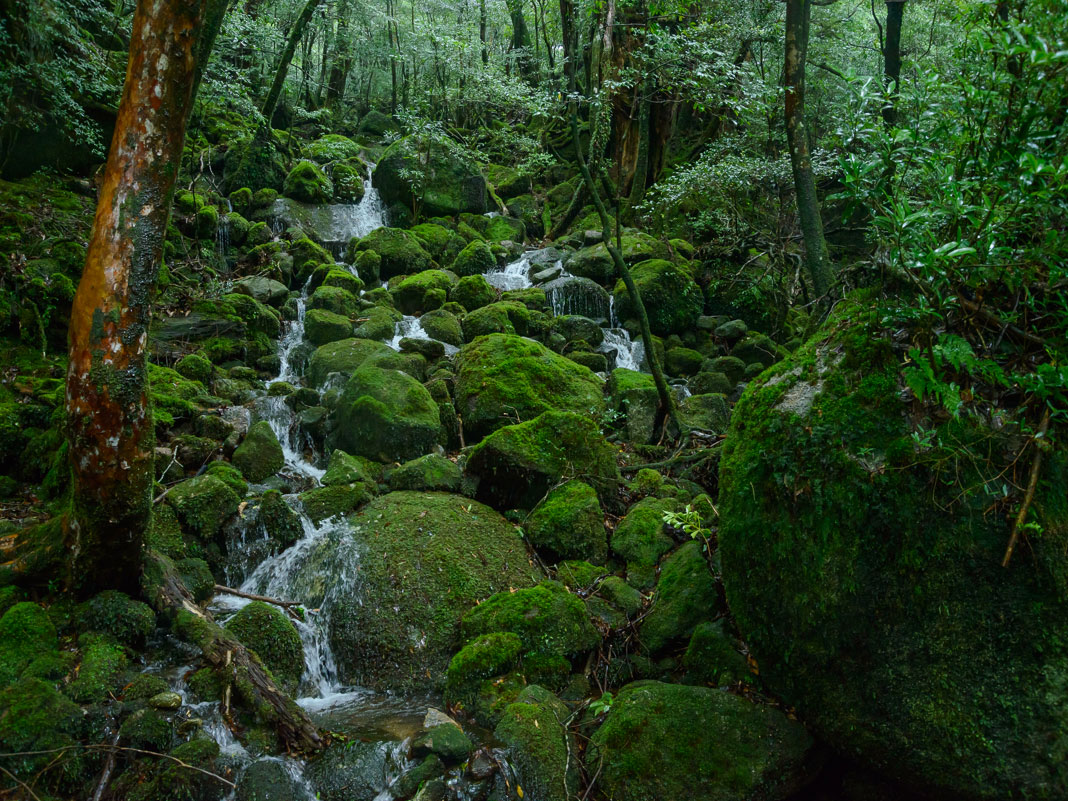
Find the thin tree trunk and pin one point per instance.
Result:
(520, 39)
(482, 31)
(339, 72)
(895, 11)
(817, 260)
(110, 419)
(295, 35)
(667, 399)
(213, 20)
(641, 163)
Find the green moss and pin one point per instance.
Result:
(409, 295)
(386, 415)
(476, 258)
(334, 299)
(711, 657)
(172, 779)
(343, 279)
(378, 323)
(348, 182)
(308, 184)
(427, 473)
(322, 327)
(641, 540)
(195, 367)
(671, 298)
(472, 292)
(347, 469)
(517, 465)
(332, 147)
(579, 575)
(128, 621)
(447, 183)
(485, 657)
(685, 596)
(100, 674)
(548, 619)
(669, 741)
(442, 243)
(424, 560)
(25, 631)
(847, 550)
(203, 504)
(543, 751)
(443, 326)
(266, 630)
(399, 251)
(145, 686)
(229, 475)
(325, 502)
(502, 378)
(34, 717)
(342, 357)
(147, 729)
(569, 524)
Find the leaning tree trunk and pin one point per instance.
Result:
(110, 421)
(295, 35)
(808, 208)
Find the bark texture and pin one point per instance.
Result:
(818, 262)
(109, 419)
(296, 33)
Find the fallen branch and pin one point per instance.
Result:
(1032, 484)
(287, 605)
(230, 658)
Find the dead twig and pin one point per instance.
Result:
(1032, 484)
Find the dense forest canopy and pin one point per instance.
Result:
(496, 399)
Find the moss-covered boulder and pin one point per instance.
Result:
(410, 295)
(447, 186)
(337, 500)
(25, 632)
(517, 465)
(347, 469)
(377, 323)
(118, 615)
(400, 252)
(705, 412)
(259, 456)
(635, 400)
(100, 673)
(640, 539)
(475, 259)
(501, 378)
(569, 524)
(472, 292)
(664, 741)
(547, 618)
(543, 751)
(477, 664)
(322, 327)
(308, 184)
(267, 631)
(672, 299)
(334, 299)
(440, 242)
(332, 147)
(343, 357)
(265, 290)
(35, 717)
(712, 658)
(686, 595)
(503, 317)
(870, 588)
(386, 415)
(423, 559)
(443, 326)
(427, 473)
(595, 263)
(203, 504)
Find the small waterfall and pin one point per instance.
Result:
(570, 294)
(621, 350)
(512, 276)
(410, 328)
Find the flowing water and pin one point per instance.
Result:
(388, 720)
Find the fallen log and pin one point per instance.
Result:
(237, 665)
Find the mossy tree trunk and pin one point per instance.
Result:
(296, 33)
(817, 260)
(895, 12)
(109, 418)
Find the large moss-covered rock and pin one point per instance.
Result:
(128, 621)
(25, 632)
(517, 465)
(569, 524)
(870, 588)
(267, 631)
(663, 741)
(635, 399)
(322, 327)
(443, 326)
(203, 504)
(378, 323)
(334, 299)
(34, 717)
(344, 357)
(423, 559)
(547, 618)
(440, 242)
(671, 298)
(410, 295)
(685, 596)
(543, 750)
(501, 378)
(447, 185)
(386, 415)
(259, 456)
(427, 473)
(400, 252)
(475, 259)
(640, 538)
(473, 292)
(594, 262)
(308, 184)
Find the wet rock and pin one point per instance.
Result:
(671, 298)
(260, 455)
(544, 753)
(427, 473)
(446, 740)
(569, 524)
(165, 700)
(641, 539)
(268, 780)
(267, 631)
(686, 595)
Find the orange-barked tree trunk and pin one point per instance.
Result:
(108, 412)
